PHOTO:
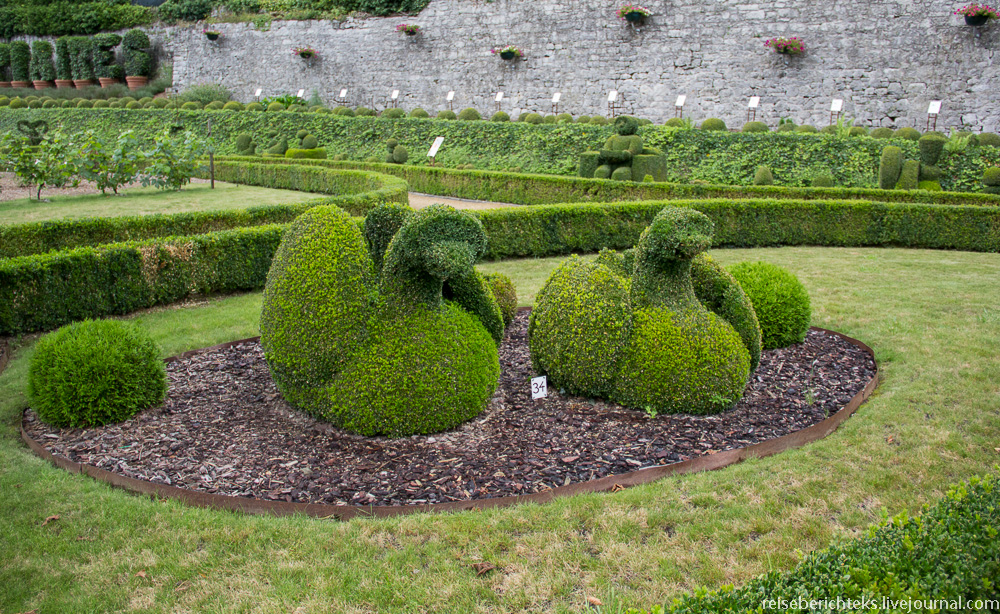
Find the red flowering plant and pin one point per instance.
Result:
(408, 28)
(632, 9)
(978, 10)
(510, 51)
(304, 52)
(787, 45)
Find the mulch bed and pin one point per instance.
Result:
(224, 429)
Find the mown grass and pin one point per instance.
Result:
(144, 201)
(931, 316)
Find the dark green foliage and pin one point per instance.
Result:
(948, 553)
(419, 113)
(779, 300)
(104, 56)
(184, 10)
(245, 145)
(713, 123)
(469, 114)
(446, 114)
(622, 173)
(564, 118)
(95, 372)
(931, 147)
(69, 17)
(213, 106)
(232, 105)
(4, 61)
(989, 139)
(393, 113)
(991, 176)
(138, 62)
(83, 103)
(191, 106)
(549, 119)
(755, 127)
(598, 120)
(308, 142)
(909, 177)
(806, 129)
(505, 294)
(474, 294)
(823, 181)
(930, 173)
(721, 294)
(274, 107)
(18, 103)
(399, 154)
(534, 118)
(49, 104)
(907, 133)
(858, 131)
(317, 153)
(890, 167)
(583, 119)
(254, 106)
(364, 112)
(20, 61)
(763, 176)
(380, 226)
(831, 129)
(278, 148)
(64, 67)
(786, 127)
(500, 116)
(345, 112)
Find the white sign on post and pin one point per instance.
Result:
(612, 95)
(499, 96)
(395, 94)
(754, 102)
(539, 387)
(435, 147)
(343, 93)
(837, 105)
(257, 93)
(556, 97)
(681, 100)
(934, 108)
(301, 92)
(450, 96)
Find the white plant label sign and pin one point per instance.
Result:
(343, 93)
(450, 96)
(837, 105)
(301, 92)
(395, 94)
(539, 387)
(257, 93)
(612, 95)
(435, 147)
(499, 96)
(556, 97)
(754, 102)
(934, 108)
(681, 100)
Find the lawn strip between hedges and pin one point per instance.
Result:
(44, 291)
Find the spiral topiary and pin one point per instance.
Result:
(95, 372)
(779, 299)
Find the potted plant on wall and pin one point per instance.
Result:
(138, 62)
(786, 45)
(20, 62)
(633, 13)
(510, 52)
(108, 72)
(81, 51)
(4, 64)
(977, 14)
(212, 35)
(306, 53)
(408, 29)
(43, 71)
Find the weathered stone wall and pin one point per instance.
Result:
(886, 59)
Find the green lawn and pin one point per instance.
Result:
(933, 318)
(143, 201)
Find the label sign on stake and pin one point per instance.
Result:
(539, 387)
(301, 92)
(556, 97)
(257, 93)
(612, 95)
(934, 108)
(837, 106)
(754, 102)
(450, 96)
(343, 93)
(435, 147)
(499, 96)
(681, 100)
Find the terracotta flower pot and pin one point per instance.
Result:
(21, 84)
(41, 85)
(106, 82)
(4, 83)
(82, 83)
(135, 83)
(64, 84)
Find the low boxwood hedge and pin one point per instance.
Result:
(946, 559)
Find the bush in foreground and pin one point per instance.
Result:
(779, 299)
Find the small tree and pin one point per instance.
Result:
(49, 164)
(173, 160)
(110, 165)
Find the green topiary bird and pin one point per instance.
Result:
(387, 332)
(662, 328)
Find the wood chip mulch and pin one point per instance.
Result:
(224, 429)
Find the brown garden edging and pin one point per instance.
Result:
(345, 512)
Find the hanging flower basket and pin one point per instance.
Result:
(633, 13)
(786, 46)
(509, 52)
(305, 53)
(408, 29)
(977, 14)
(212, 35)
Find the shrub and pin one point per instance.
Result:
(779, 299)
(549, 119)
(35, 104)
(755, 127)
(133, 105)
(184, 10)
(931, 146)
(930, 186)
(763, 176)
(674, 122)
(83, 103)
(364, 112)
(68, 103)
(232, 105)
(64, 67)
(254, 106)
(890, 167)
(205, 94)
(4, 60)
(564, 118)
(721, 294)
(910, 134)
(4, 101)
(500, 116)
(214, 106)
(713, 123)
(909, 176)
(505, 294)
(824, 180)
(858, 131)
(831, 129)
(20, 61)
(598, 120)
(533, 118)
(583, 119)
(399, 154)
(104, 56)
(446, 114)
(394, 113)
(245, 145)
(989, 139)
(297, 108)
(49, 104)
(275, 107)
(138, 62)
(345, 112)
(469, 114)
(191, 106)
(991, 179)
(419, 114)
(786, 127)
(95, 372)
(306, 154)
(806, 129)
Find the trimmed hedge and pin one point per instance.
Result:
(948, 553)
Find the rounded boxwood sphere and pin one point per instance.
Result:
(755, 127)
(713, 123)
(779, 299)
(469, 114)
(446, 114)
(95, 372)
(254, 106)
(394, 113)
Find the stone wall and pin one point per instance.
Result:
(886, 59)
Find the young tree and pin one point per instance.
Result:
(48, 164)
(109, 165)
(173, 160)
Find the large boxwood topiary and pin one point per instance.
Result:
(890, 166)
(779, 299)
(95, 372)
(713, 123)
(382, 351)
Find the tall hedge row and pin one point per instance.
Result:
(69, 17)
(44, 291)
